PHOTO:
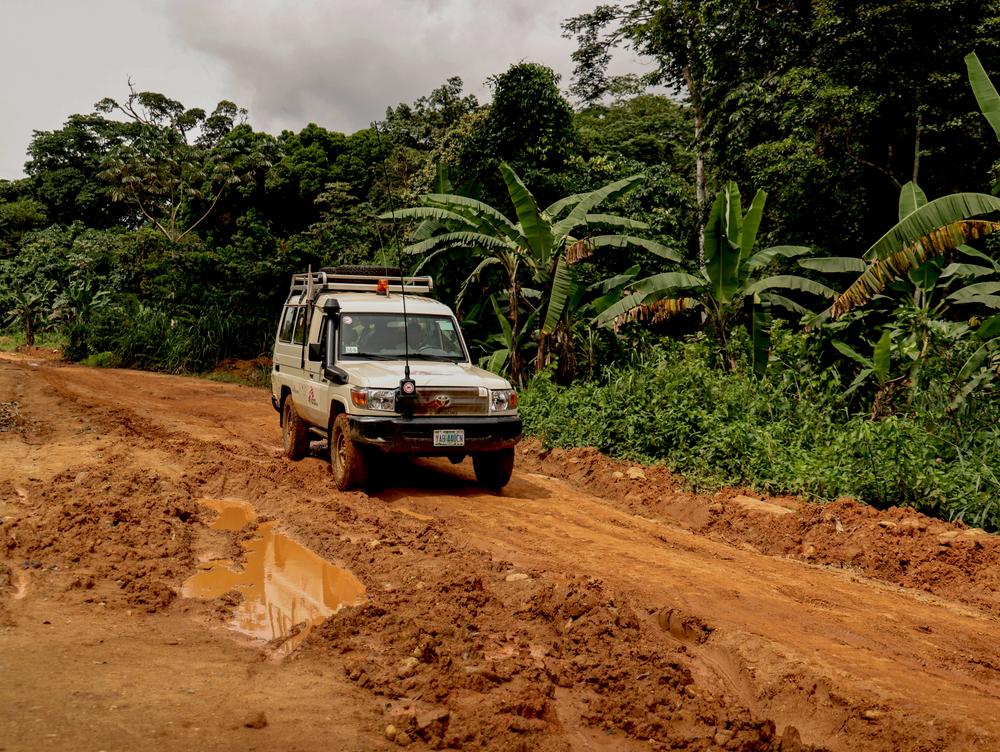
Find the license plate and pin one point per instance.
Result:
(452, 437)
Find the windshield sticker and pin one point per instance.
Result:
(347, 320)
(446, 325)
(350, 349)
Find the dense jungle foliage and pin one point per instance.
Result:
(781, 275)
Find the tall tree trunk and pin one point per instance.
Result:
(700, 181)
(29, 329)
(516, 364)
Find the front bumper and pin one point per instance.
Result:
(397, 435)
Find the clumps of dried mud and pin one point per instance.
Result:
(897, 545)
(128, 527)
(10, 416)
(467, 652)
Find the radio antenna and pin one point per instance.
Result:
(407, 386)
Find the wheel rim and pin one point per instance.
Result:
(341, 451)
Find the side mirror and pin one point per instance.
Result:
(335, 375)
(315, 351)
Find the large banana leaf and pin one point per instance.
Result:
(845, 349)
(790, 282)
(911, 198)
(616, 282)
(980, 288)
(505, 328)
(553, 210)
(834, 264)
(722, 249)
(883, 270)
(457, 203)
(920, 223)
(654, 311)
(428, 212)
(578, 215)
(761, 333)
(585, 248)
(881, 357)
(966, 270)
(768, 255)
(668, 281)
(615, 221)
(650, 290)
(968, 250)
(788, 304)
(986, 93)
(751, 223)
(470, 239)
(564, 285)
(536, 231)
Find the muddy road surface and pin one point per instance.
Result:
(169, 581)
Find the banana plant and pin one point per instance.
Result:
(983, 366)
(933, 229)
(533, 253)
(730, 287)
(26, 311)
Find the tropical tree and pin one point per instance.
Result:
(26, 311)
(729, 288)
(176, 163)
(534, 254)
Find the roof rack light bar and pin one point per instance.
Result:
(326, 282)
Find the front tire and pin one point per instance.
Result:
(493, 469)
(294, 436)
(346, 458)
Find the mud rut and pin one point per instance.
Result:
(592, 605)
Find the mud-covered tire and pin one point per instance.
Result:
(294, 435)
(347, 460)
(493, 469)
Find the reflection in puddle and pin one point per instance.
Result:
(284, 584)
(233, 513)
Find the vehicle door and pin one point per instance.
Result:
(289, 351)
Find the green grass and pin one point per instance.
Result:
(10, 341)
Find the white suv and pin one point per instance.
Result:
(363, 357)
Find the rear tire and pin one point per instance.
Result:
(347, 461)
(493, 469)
(294, 436)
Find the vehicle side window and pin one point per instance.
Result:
(287, 324)
(300, 328)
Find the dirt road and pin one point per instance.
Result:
(592, 605)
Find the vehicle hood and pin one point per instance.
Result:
(388, 373)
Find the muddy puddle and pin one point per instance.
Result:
(286, 588)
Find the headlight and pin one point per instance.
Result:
(503, 400)
(374, 399)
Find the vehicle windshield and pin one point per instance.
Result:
(380, 336)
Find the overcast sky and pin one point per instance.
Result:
(338, 63)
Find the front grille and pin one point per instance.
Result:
(452, 401)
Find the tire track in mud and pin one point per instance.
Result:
(544, 618)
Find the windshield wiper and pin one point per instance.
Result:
(439, 358)
(372, 356)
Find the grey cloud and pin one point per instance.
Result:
(341, 63)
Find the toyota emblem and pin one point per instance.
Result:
(442, 401)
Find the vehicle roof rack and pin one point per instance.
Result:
(325, 281)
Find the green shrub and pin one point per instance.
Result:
(791, 432)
